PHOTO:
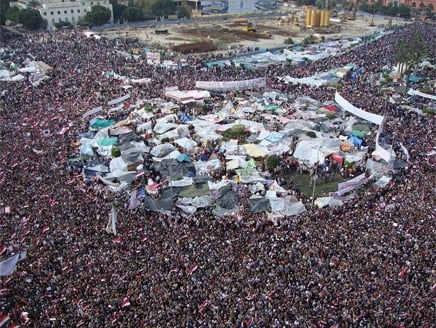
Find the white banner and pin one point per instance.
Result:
(231, 85)
(92, 111)
(379, 150)
(421, 94)
(140, 81)
(7, 266)
(373, 118)
(352, 184)
(118, 100)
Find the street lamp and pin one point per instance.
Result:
(315, 174)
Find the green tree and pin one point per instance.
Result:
(62, 24)
(272, 162)
(410, 53)
(184, 11)
(31, 19)
(161, 7)
(133, 14)
(33, 4)
(13, 14)
(98, 15)
(404, 11)
(117, 9)
(4, 7)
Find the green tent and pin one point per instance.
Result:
(272, 107)
(357, 133)
(101, 124)
(108, 141)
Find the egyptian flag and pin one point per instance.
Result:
(125, 302)
(4, 319)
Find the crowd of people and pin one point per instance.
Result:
(368, 263)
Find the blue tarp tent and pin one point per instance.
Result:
(356, 141)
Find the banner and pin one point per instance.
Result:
(92, 111)
(7, 266)
(421, 94)
(231, 85)
(153, 57)
(352, 184)
(140, 81)
(118, 100)
(379, 150)
(373, 118)
(111, 225)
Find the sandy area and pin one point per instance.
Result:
(270, 32)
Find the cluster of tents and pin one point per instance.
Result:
(176, 143)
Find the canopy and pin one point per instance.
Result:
(254, 150)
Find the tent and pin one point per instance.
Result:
(255, 151)
(356, 141)
(162, 150)
(175, 170)
(259, 204)
(183, 158)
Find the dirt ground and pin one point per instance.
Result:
(222, 35)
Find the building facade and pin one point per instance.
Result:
(419, 4)
(55, 11)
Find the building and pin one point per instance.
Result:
(414, 4)
(420, 4)
(55, 11)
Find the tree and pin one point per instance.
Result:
(410, 53)
(272, 162)
(117, 9)
(184, 11)
(31, 19)
(33, 4)
(161, 7)
(62, 24)
(98, 15)
(133, 14)
(4, 7)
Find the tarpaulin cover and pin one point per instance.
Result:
(158, 205)
(162, 150)
(358, 133)
(327, 201)
(195, 190)
(101, 124)
(259, 204)
(356, 141)
(173, 169)
(227, 199)
(108, 141)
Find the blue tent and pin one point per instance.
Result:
(356, 141)
(185, 118)
(184, 158)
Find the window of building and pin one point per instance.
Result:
(59, 12)
(51, 13)
(45, 13)
(72, 19)
(72, 11)
(65, 11)
(78, 10)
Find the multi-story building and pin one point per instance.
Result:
(420, 4)
(55, 11)
(415, 4)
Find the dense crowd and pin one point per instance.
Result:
(369, 263)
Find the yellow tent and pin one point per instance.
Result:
(254, 150)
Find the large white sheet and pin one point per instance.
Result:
(373, 118)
